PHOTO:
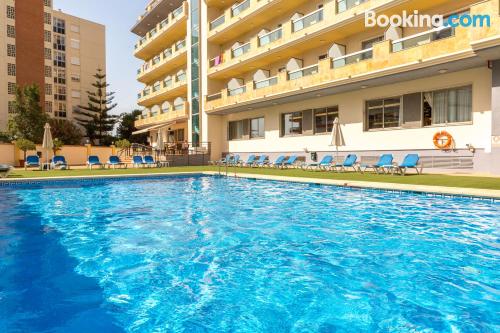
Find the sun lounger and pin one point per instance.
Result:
(378, 167)
(278, 162)
(59, 162)
(32, 161)
(261, 161)
(138, 161)
(115, 161)
(290, 162)
(249, 162)
(94, 161)
(324, 164)
(349, 162)
(150, 161)
(410, 162)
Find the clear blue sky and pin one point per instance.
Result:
(118, 16)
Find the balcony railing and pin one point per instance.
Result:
(240, 50)
(181, 77)
(353, 58)
(217, 22)
(177, 12)
(164, 23)
(236, 91)
(214, 97)
(238, 9)
(422, 38)
(270, 37)
(308, 20)
(165, 55)
(167, 83)
(306, 71)
(344, 5)
(266, 82)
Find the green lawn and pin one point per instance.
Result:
(435, 180)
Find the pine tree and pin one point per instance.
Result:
(95, 117)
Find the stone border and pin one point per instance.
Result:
(422, 189)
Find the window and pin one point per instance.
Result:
(75, 77)
(75, 43)
(60, 94)
(48, 89)
(235, 131)
(59, 43)
(11, 105)
(48, 53)
(11, 31)
(48, 106)
(291, 123)
(59, 59)
(47, 18)
(323, 57)
(11, 12)
(47, 3)
(75, 61)
(324, 118)
(369, 43)
(75, 28)
(60, 110)
(383, 113)
(11, 88)
(257, 129)
(48, 71)
(47, 36)
(11, 69)
(447, 106)
(59, 26)
(75, 94)
(11, 50)
(59, 76)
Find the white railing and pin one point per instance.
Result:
(236, 91)
(305, 71)
(270, 37)
(240, 50)
(238, 9)
(178, 107)
(343, 5)
(271, 81)
(308, 20)
(352, 58)
(422, 38)
(214, 97)
(217, 22)
(177, 12)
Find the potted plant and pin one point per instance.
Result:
(58, 144)
(24, 145)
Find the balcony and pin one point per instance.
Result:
(172, 28)
(413, 53)
(313, 30)
(171, 58)
(241, 18)
(174, 113)
(162, 91)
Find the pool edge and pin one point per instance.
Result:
(422, 189)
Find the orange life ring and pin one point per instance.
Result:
(443, 140)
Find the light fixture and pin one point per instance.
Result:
(443, 71)
(318, 95)
(364, 87)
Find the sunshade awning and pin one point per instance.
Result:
(147, 129)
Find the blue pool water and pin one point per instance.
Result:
(209, 254)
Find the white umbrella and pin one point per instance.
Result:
(160, 145)
(337, 139)
(48, 143)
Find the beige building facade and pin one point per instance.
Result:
(275, 74)
(57, 51)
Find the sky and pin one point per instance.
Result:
(118, 16)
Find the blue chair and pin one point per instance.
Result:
(32, 161)
(378, 167)
(249, 162)
(234, 161)
(290, 161)
(93, 161)
(261, 161)
(410, 162)
(59, 161)
(115, 161)
(349, 162)
(324, 164)
(137, 161)
(150, 161)
(278, 162)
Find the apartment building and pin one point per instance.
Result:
(57, 51)
(275, 74)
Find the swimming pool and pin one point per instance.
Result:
(215, 254)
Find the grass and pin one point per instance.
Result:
(489, 183)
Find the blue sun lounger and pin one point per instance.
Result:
(32, 161)
(324, 164)
(349, 162)
(410, 162)
(115, 161)
(384, 161)
(150, 161)
(93, 161)
(249, 162)
(137, 161)
(278, 162)
(59, 162)
(290, 161)
(261, 161)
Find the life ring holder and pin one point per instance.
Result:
(443, 140)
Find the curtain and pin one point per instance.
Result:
(464, 104)
(439, 101)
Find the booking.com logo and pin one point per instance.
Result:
(417, 20)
